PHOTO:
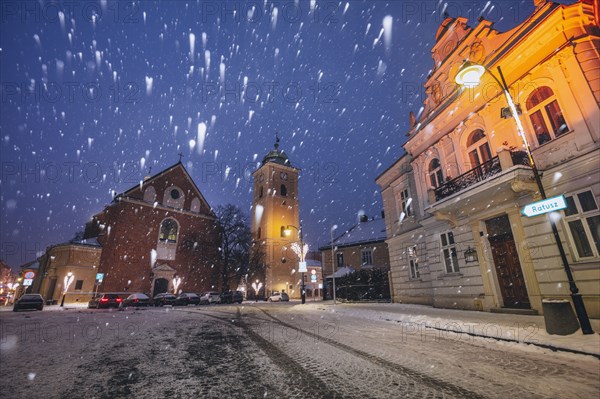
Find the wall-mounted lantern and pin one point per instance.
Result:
(470, 255)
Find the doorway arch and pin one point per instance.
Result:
(160, 285)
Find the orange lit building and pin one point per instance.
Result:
(456, 234)
(274, 207)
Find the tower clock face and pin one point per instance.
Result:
(283, 176)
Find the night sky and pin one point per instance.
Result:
(94, 94)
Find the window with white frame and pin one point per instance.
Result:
(405, 202)
(367, 257)
(449, 252)
(413, 262)
(583, 218)
(478, 148)
(545, 115)
(339, 258)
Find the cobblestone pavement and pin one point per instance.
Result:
(264, 351)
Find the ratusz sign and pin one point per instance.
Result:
(545, 206)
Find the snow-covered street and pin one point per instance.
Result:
(268, 350)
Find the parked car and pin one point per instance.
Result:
(164, 299)
(105, 301)
(279, 297)
(210, 297)
(187, 298)
(203, 298)
(136, 300)
(232, 297)
(29, 301)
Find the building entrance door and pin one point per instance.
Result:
(160, 285)
(506, 261)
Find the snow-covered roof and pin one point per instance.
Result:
(363, 232)
(92, 241)
(313, 263)
(341, 272)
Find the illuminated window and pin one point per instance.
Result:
(436, 176)
(168, 231)
(282, 232)
(545, 114)
(583, 218)
(478, 148)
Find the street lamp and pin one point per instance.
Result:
(333, 260)
(469, 75)
(301, 252)
(176, 282)
(256, 286)
(67, 282)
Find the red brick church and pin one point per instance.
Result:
(156, 233)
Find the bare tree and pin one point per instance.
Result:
(239, 256)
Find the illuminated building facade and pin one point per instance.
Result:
(274, 208)
(456, 233)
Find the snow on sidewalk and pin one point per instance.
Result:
(416, 319)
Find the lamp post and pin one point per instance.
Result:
(256, 286)
(67, 282)
(469, 75)
(301, 252)
(176, 282)
(333, 260)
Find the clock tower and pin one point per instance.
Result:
(274, 207)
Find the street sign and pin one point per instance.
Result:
(29, 275)
(99, 277)
(27, 282)
(302, 267)
(313, 278)
(545, 206)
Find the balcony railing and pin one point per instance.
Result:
(475, 175)
(480, 173)
(519, 158)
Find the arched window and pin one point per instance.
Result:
(195, 206)
(258, 233)
(283, 190)
(149, 194)
(282, 232)
(436, 176)
(544, 111)
(478, 148)
(168, 231)
(261, 192)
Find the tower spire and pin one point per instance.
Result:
(276, 140)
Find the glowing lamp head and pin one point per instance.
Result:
(469, 74)
(287, 232)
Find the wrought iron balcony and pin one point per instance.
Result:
(519, 158)
(477, 174)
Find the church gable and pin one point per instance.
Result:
(172, 188)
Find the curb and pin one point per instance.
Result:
(540, 345)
